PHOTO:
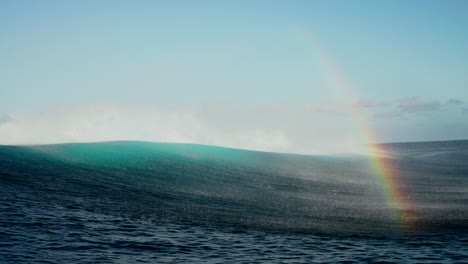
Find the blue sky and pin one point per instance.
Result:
(405, 63)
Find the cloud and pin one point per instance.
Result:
(327, 108)
(5, 119)
(365, 103)
(415, 104)
(388, 115)
(455, 102)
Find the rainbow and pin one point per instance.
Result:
(386, 173)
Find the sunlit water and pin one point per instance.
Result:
(134, 202)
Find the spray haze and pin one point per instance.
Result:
(268, 128)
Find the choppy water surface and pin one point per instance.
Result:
(130, 202)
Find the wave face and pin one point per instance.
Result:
(137, 186)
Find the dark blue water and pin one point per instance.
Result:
(135, 202)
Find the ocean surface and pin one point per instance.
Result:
(138, 202)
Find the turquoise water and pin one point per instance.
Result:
(127, 202)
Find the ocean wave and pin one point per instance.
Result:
(238, 189)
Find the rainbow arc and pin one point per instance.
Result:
(386, 172)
